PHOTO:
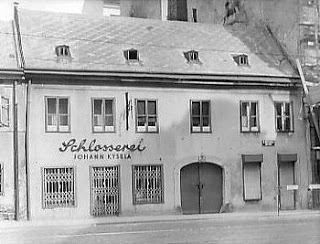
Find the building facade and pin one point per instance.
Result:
(119, 121)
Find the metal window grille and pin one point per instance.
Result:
(147, 184)
(200, 116)
(284, 118)
(4, 111)
(58, 187)
(1, 179)
(105, 191)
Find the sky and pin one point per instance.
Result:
(70, 6)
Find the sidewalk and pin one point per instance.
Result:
(6, 224)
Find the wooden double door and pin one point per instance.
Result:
(201, 187)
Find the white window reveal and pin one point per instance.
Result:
(103, 115)
(57, 114)
(200, 116)
(4, 112)
(284, 116)
(148, 184)
(249, 116)
(252, 177)
(147, 118)
(58, 187)
(1, 179)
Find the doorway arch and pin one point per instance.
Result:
(201, 188)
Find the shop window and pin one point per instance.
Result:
(4, 112)
(147, 118)
(249, 116)
(200, 116)
(103, 115)
(57, 114)
(148, 184)
(284, 116)
(58, 187)
(1, 179)
(252, 177)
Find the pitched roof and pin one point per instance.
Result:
(8, 59)
(97, 44)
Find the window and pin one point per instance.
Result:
(57, 114)
(194, 15)
(131, 55)
(200, 116)
(103, 115)
(147, 184)
(249, 116)
(192, 56)
(4, 112)
(58, 187)
(252, 177)
(1, 179)
(284, 116)
(147, 119)
(241, 60)
(63, 51)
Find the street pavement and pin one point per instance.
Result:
(266, 228)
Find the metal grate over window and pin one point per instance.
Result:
(147, 184)
(105, 191)
(58, 187)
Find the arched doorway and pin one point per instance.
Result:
(201, 188)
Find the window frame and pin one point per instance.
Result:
(58, 130)
(103, 114)
(2, 108)
(134, 199)
(201, 116)
(147, 130)
(74, 187)
(283, 103)
(249, 116)
(246, 199)
(1, 178)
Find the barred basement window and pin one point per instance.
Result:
(249, 116)
(147, 184)
(284, 116)
(1, 179)
(103, 115)
(58, 187)
(4, 112)
(57, 114)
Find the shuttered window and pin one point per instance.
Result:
(252, 177)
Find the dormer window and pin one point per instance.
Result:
(63, 51)
(192, 56)
(131, 55)
(241, 60)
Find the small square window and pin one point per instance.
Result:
(192, 56)
(241, 60)
(63, 51)
(249, 116)
(147, 118)
(131, 55)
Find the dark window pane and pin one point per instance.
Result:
(195, 108)
(52, 103)
(205, 121)
(97, 104)
(108, 106)
(205, 108)
(152, 108)
(196, 121)
(278, 109)
(152, 121)
(141, 107)
(109, 120)
(287, 109)
(287, 124)
(279, 123)
(244, 106)
(253, 122)
(63, 106)
(141, 121)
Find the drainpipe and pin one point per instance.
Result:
(15, 151)
(27, 148)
